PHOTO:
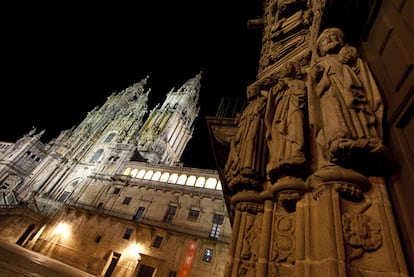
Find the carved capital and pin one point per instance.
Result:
(337, 174)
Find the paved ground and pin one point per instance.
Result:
(16, 261)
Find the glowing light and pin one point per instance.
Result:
(133, 250)
(62, 229)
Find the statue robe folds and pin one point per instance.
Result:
(285, 126)
(246, 157)
(350, 105)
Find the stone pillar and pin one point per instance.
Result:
(305, 167)
(243, 259)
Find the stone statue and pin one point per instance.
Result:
(246, 157)
(349, 115)
(284, 121)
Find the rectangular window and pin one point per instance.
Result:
(193, 214)
(127, 233)
(216, 226)
(170, 213)
(117, 190)
(100, 206)
(139, 213)
(157, 242)
(208, 255)
(145, 271)
(127, 200)
(172, 274)
(218, 218)
(215, 231)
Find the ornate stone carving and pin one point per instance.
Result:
(285, 28)
(349, 183)
(349, 191)
(250, 244)
(283, 249)
(246, 157)
(284, 121)
(347, 121)
(361, 232)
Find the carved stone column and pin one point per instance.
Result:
(305, 165)
(244, 251)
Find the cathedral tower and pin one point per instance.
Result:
(107, 196)
(168, 128)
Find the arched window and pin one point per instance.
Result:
(164, 177)
(218, 187)
(109, 137)
(211, 183)
(191, 180)
(200, 182)
(148, 175)
(127, 171)
(181, 180)
(141, 174)
(97, 156)
(156, 176)
(134, 173)
(173, 178)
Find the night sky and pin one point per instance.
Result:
(59, 61)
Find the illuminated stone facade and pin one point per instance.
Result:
(110, 197)
(306, 172)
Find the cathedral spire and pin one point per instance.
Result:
(168, 128)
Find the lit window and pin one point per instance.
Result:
(191, 180)
(218, 187)
(200, 182)
(148, 175)
(181, 180)
(141, 174)
(208, 255)
(164, 177)
(216, 226)
(211, 183)
(134, 172)
(156, 176)
(173, 178)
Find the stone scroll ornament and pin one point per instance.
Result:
(348, 117)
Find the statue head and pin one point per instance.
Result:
(330, 41)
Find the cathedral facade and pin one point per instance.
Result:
(110, 196)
